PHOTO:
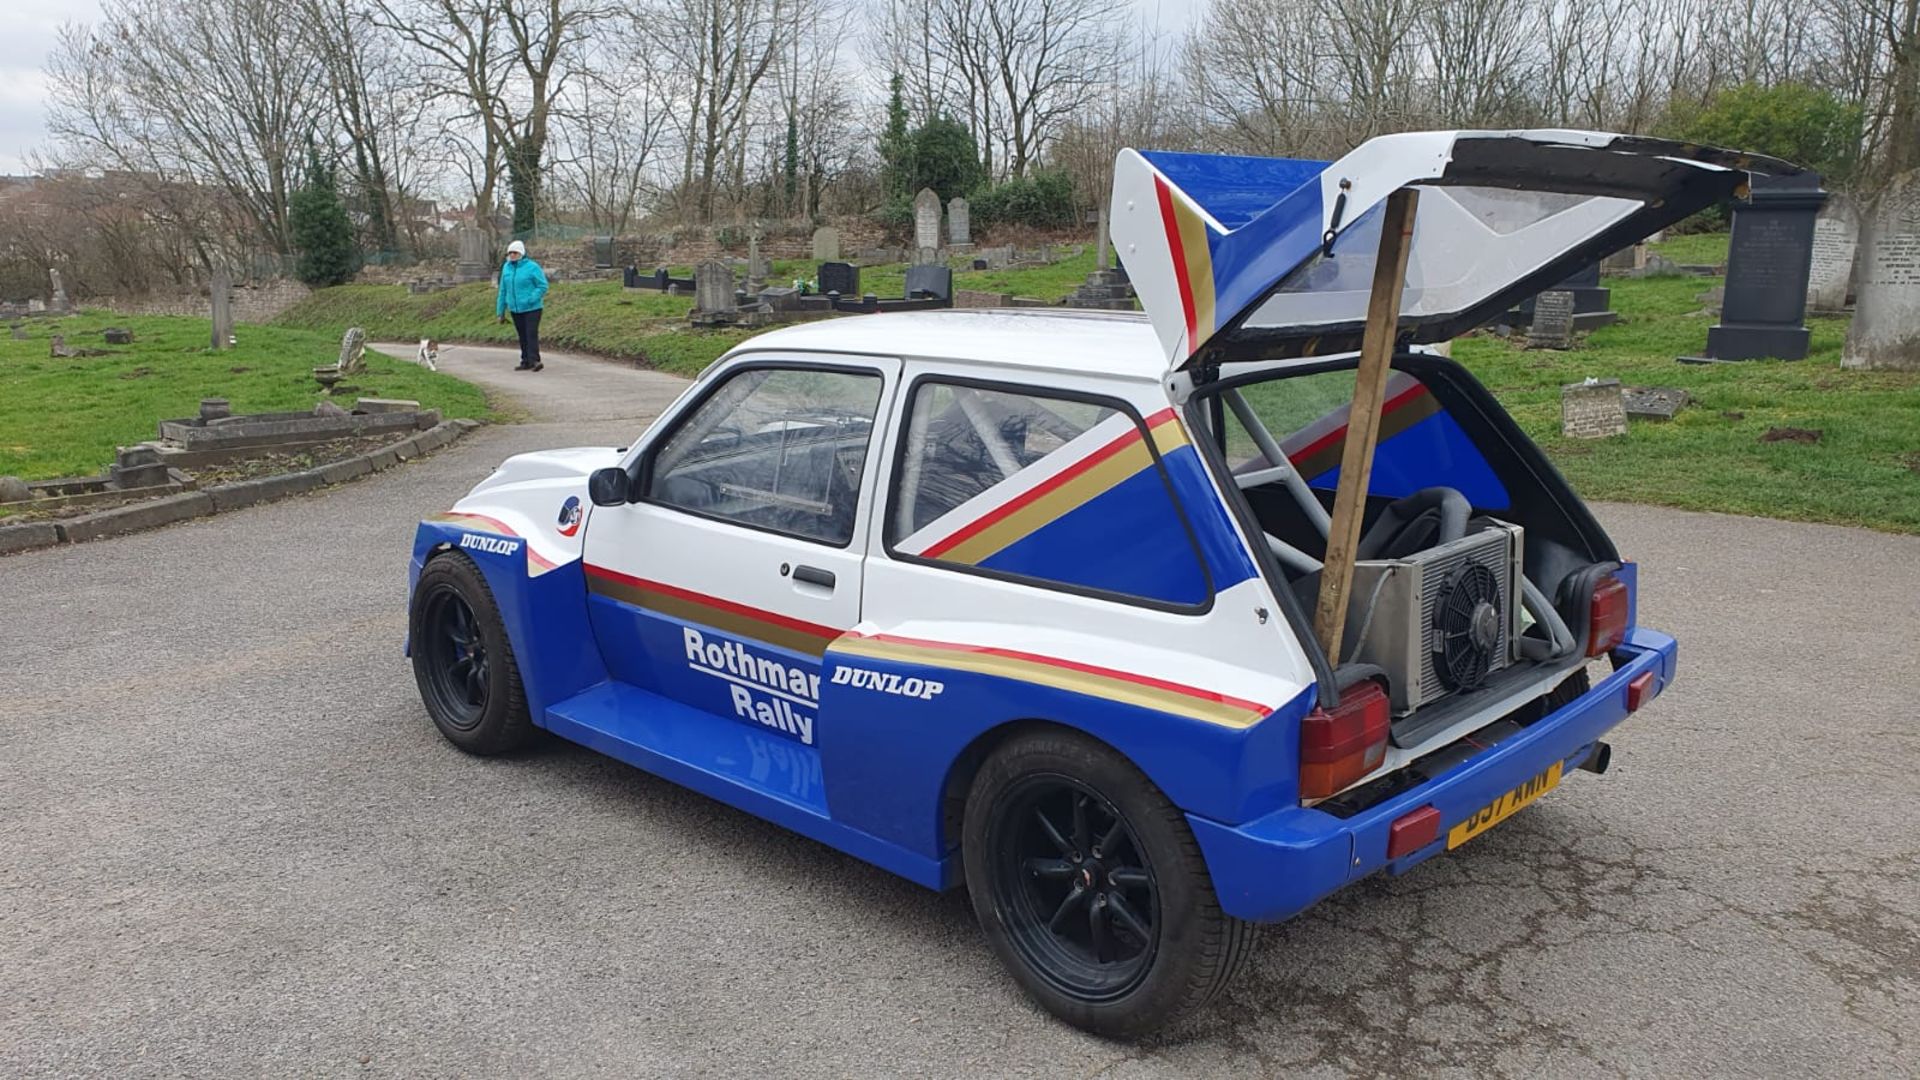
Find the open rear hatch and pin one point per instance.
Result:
(1240, 258)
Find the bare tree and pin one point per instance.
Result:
(718, 53)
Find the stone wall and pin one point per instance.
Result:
(688, 244)
(256, 303)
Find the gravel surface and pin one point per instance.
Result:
(234, 844)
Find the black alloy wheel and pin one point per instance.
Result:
(456, 659)
(463, 660)
(1079, 891)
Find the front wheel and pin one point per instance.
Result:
(1091, 888)
(463, 662)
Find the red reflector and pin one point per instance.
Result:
(1339, 747)
(1412, 831)
(1607, 618)
(1639, 691)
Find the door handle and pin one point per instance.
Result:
(813, 575)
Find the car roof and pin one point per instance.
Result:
(1107, 343)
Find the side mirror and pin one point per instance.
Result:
(609, 486)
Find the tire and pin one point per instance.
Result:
(464, 663)
(1137, 937)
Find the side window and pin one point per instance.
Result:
(1042, 487)
(773, 448)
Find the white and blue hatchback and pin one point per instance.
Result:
(1016, 599)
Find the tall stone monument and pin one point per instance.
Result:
(1836, 237)
(1886, 320)
(1768, 261)
(959, 223)
(926, 226)
(59, 290)
(220, 292)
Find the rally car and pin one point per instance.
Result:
(1018, 600)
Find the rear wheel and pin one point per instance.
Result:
(1091, 888)
(463, 662)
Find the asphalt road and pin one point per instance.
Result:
(232, 843)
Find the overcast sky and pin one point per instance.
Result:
(33, 24)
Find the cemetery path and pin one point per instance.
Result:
(235, 845)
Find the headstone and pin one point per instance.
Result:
(474, 265)
(220, 290)
(934, 281)
(57, 347)
(1593, 409)
(35, 305)
(839, 277)
(926, 221)
(780, 298)
(756, 270)
(1836, 238)
(1655, 402)
(826, 244)
(1552, 326)
(19, 332)
(976, 298)
(1625, 261)
(713, 287)
(959, 225)
(1886, 321)
(1768, 259)
(353, 351)
(602, 252)
(59, 290)
(117, 335)
(1104, 257)
(1590, 300)
(14, 489)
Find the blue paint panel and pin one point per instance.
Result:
(1127, 540)
(1249, 261)
(1235, 190)
(1279, 865)
(1219, 541)
(1432, 453)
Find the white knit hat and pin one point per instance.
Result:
(517, 248)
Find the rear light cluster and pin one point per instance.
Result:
(1340, 746)
(1607, 616)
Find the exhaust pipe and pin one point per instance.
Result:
(1598, 761)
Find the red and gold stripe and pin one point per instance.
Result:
(810, 639)
(537, 563)
(1110, 684)
(1192, 261)
(1397, 414)
(1058, 495)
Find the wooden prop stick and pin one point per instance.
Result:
(1363, 420)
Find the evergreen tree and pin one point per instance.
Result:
(896, 145)
(792, 165)
(322, 235)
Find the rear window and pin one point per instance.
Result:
(1059, 490)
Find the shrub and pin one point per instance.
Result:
(321, 232)
(1804, 125)
(1041, 200)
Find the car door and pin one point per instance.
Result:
(739, 560)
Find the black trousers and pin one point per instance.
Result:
(526, 326)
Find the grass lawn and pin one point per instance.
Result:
(1864, 471)
(65, 417)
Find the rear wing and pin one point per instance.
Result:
(1245, 258)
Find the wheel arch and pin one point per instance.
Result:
(966, 765)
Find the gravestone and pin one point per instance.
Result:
(1104, 256)
(1768, 259)
(1655, 402)
(1590, 300)
(35, 305)
(926, 222)
(839, 277)
(756, 267)
(1593, 409)
(220, 293)
(1552, 325)
(1886, 321)
(59, 291)
(826, 244)
(474, 265)
(1625, 261)
(353, 351)
(117, 335)
(713, 288)
(959, 225)
(19, 332)
(602, 252)
(976, 298)
(1836, 239)
(936, 281)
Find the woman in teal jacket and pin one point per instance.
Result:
(523, 290)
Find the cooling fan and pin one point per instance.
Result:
(1466, 627)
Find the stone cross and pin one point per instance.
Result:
(1552, 326)
(1836, 236)
(958, 222)
(926, 220)
(826, 244)
(1593, 409)
(220, 290)
(1886, 322)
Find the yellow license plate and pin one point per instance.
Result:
(1503, 807)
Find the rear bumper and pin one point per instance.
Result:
(1277, 866)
